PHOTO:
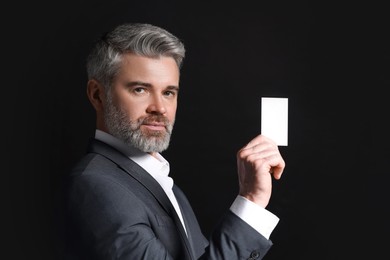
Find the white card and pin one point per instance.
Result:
(274, 119)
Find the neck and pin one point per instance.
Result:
(154, 154)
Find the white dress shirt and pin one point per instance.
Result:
(259, 218)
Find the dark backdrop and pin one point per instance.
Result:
(330, 60)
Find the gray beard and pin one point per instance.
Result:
(120, 126)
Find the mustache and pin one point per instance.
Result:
(153, 119)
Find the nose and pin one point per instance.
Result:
(157, 105)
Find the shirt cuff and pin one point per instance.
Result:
(257, 217)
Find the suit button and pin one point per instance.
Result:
(254, 255)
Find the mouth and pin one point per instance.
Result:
(156, 126)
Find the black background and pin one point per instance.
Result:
(330, 60)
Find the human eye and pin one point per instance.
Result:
(139, 90)
(171, 93)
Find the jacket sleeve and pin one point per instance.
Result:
(232, 239)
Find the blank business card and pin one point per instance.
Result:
(274, 119)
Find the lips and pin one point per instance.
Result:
(155, 121)
(154, 125)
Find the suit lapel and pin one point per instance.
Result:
(145, 179)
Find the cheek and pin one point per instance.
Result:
(132, 110)
(172, 111)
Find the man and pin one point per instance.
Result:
(121, 202)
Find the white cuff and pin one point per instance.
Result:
(257, 217)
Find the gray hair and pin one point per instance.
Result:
(146, 40)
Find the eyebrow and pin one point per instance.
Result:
(138, 83)
(176, 88)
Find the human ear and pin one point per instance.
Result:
(96, 94)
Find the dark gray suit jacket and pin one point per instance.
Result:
(116, 210)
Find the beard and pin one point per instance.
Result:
(122, 127)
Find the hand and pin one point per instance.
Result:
(257, 162)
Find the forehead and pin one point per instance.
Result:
(161, 69)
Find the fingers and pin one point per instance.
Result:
(258, 162)
(262, 152)
(277, 172)
(260, 139)
(267, 162)
(278, 169)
